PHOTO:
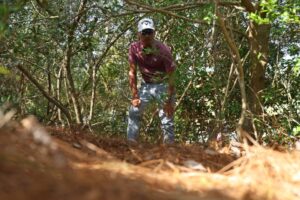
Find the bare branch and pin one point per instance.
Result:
(248, 5)
(239, 68)
(229, 4)
(166, 12)
(41, 89)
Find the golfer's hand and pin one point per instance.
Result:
(135, 102)
(169, 109)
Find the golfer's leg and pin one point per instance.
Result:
(167, 126)
(135, 114)
(167, 122)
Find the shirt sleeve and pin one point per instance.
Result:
(131, 55)
(168, 60)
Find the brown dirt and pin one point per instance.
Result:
(85, 166)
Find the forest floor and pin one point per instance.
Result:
(51, 163)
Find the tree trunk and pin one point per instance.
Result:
(258, 37)
(58, 92)
(71, 89)
(49, 88)
(240, 72)
(66, 63)
(92, 102)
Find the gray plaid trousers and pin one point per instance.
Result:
(148, 93)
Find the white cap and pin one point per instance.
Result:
(145, 23)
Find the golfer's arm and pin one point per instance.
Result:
(133, 81)
(171, 83)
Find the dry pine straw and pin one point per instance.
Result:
(273, 174)
(264, 172)
(267, 173)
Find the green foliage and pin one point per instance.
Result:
(271, 10)
(8, 86)
(296, 68)
(258, 19)
(296, 131)
(208, 11)
(4, 12)
(6, 8)
(4, 70)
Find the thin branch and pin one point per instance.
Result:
(41, 89)
(236, 58)
(134, 11)
(166, 12)
(248, 5)
(35, 20)
(36, 9)
(184, 93)
(229, 4)
(100, 59)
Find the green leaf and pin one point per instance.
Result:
(256, 18)
(296, 131)
(259, 55)
(296, 68)
(4, 71)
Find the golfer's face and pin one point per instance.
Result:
(147, 35)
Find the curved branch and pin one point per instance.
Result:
(163, 11)
(166, 12)
(41, 89)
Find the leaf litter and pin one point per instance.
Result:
(39, 162)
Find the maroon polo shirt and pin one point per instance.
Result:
(154, 63)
